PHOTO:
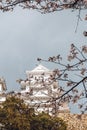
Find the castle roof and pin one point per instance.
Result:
(39, 69)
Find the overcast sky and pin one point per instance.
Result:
(26, 35)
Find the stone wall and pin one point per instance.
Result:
(74, 121)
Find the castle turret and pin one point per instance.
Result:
(3, 88)
(2, 85)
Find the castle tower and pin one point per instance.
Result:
(2, 85)
(3, 88)
(39, 89)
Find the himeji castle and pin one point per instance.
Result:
(38, 90)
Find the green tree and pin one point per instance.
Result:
(14, 114)
(44, 121)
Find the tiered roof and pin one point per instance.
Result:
(38, 70)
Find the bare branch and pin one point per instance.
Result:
(44, 6)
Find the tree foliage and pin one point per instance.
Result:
(44, 6)
(16, 115)
(71, 76)
(45, 122)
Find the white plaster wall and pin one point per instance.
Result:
(0, 87)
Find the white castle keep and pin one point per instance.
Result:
(39, 90)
